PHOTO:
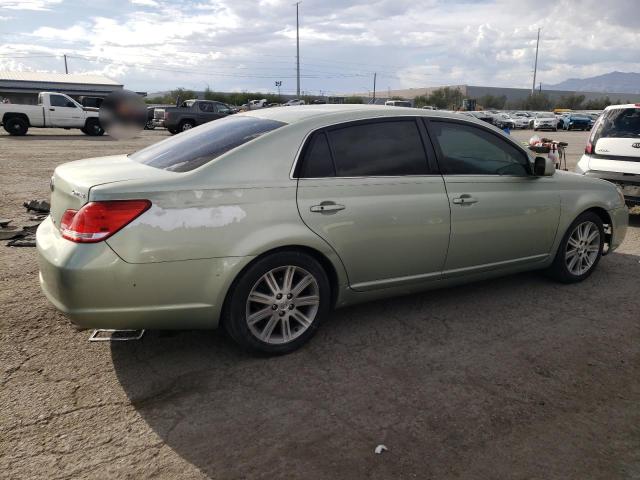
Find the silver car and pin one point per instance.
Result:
(262, 222)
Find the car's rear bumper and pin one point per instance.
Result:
(95, 288)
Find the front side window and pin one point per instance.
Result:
(389, 148)
(196, 147)
(469, 150)
(60, 101)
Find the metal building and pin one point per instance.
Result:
(23, 87)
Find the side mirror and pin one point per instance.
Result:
(543, 167)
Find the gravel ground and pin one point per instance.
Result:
(516, 378)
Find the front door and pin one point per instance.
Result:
(64, 113)
(369, 191)
(501, 215)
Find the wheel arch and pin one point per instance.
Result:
(326, 264)
(606, 221)
(9, 115)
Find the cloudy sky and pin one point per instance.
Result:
(153, 45)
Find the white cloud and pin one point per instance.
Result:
(145, 3)
(28, 4)
(248, 44)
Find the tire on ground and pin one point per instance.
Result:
(92, 128)
(234, 318)
(17, 126)
(559, 269)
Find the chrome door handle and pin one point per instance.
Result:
(327, 207)
(464, 200)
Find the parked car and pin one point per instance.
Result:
(150, 125)
(545, 121)
(575, 121)
(189, 114)
(613, 150)
(293, 102)
(398, 103)
(504, 120)
(480, 115)
(258, 222)
(54, 110)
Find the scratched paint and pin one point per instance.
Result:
(195, 217)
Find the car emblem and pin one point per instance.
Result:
(78, 194)
(636, 145)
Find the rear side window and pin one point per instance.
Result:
(198, 146)
(317, 162)
(390, 148)
(469, 150)
(617, 123)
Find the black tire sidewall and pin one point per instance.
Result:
(93, 128)
(234, 317)
(559, 268)
(9, 126)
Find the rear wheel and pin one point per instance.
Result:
(580, 249)
(186, 125)
(277, 304)
(16, 126)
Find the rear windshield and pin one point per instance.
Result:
(196, 147)
(617, 123)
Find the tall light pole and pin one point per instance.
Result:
(297, 50)
(535, 66)
(375, 74)
(66, 69)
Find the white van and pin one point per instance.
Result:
(613, 150)
(398, 103)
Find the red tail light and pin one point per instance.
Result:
(97, 221)
(588, 148)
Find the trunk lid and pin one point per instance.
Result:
(72, 182)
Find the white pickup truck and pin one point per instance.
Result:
(54, 110)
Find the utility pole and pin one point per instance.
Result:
(66, 69)
(535, 66)
(375, 74)
(298, 49)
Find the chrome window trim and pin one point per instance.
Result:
(344, 122)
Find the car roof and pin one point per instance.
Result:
(339, 113)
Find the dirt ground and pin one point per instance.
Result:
(516, 378)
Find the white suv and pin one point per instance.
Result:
(613, 150)
(545, 121)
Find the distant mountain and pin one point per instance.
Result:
(614, 82)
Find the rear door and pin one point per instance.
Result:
(368, 189)
(500, 214)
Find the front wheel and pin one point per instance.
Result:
(277, 304)
(93, 128)
(580, 249)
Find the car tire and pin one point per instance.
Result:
(186, 125)
(172, 131)
(578, 254)
(535, 129)
(16, 126)
(555, 129)
(149, 125)
(93, 128)
(279, 325)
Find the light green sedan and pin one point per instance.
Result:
(263, 222)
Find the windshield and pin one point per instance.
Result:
(545, 115)
(194, 148)
(617, 123)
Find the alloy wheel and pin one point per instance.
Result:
(583, 247)
(282, 304)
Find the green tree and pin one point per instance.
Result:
(572, 101)
(537, 101)
(446, 97)
(491, 101)
(353, 99)
(598, 103)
